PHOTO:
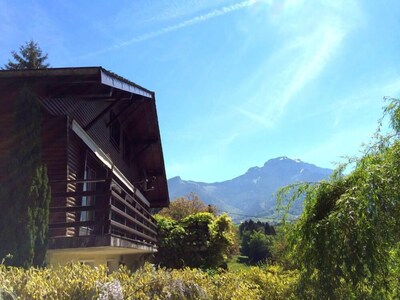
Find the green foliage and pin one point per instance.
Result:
(70, 282)
(25, 195)
(280, 249)
(256, 246)
(345, 241)
(259, 247)
(30, 57)
(256, 240)
(171, 235)
(182, 207)
(76, 281)
(198, 240)
(250, 225)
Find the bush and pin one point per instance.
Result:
(200, 240)
(83, 282)
(257, 246)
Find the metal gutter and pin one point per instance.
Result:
(118, 82)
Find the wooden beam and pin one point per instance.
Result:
(136, 155)
(119, 114)
(101, 114)
(139, 103)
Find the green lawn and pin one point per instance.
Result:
(238, 263)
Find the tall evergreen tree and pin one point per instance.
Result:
(30, 56)
(26, 194)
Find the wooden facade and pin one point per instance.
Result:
(101, 144)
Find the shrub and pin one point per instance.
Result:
(76, 281)
(200, 240)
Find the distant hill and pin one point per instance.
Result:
(251, 193)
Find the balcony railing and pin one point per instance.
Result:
(108, 210)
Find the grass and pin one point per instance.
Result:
(238, 263)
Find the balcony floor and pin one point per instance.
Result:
(107, 244)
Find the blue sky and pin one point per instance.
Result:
(236, 82)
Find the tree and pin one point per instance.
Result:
(256, 240)
(30, 56)
(170, 239)
(251, 226)
(256, 245)
(184, 206)
(280, 251)
(259, 247)
(200, 240)
(346, 242)
(25, 196)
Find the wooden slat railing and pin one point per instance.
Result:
(114, 211)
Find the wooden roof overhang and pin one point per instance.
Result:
(98, 84)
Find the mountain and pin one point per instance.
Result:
(251, 193)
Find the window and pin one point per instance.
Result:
(115, 131)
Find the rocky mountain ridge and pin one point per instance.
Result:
(253, 192)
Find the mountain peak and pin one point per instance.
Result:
(176, 178)
(282, 158)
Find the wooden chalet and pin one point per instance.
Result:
(101, 144)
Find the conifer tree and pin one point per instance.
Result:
(26, 194)
(30, 56)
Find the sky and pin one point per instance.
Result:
(237, 82)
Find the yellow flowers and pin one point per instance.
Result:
(83, 282)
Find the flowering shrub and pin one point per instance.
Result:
(110, 290)
(76, 281)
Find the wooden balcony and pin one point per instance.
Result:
(108, 215)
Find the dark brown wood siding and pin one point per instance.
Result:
(83, 112)
(75, 166)
(54, 156)
(6, 121)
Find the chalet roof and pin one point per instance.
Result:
(96, 84)
(99, 74)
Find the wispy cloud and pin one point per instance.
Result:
(305, 62)
(308, 49)
(341, 143)
(254, 116)
(348, 133)
(190, 22)
(315, 61)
